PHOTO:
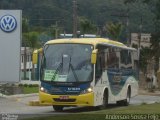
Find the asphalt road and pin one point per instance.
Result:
(19, 105)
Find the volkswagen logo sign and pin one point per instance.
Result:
(8, 23)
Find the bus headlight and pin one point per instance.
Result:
(42, 89)
(88, 90)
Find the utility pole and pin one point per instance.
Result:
(25, 61)
(25, 51)
(139, 46)
(74, 18)
(140, 31)
(56, 30)
(127, 28)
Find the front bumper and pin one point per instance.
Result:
(74, 100)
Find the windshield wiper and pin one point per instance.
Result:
(57, 70)
(60, 66)
(74, 73)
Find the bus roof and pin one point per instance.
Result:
(92, 41)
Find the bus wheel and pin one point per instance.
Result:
(105, 100)
(126, 101)
(57, 108)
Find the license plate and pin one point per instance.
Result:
(64, 97)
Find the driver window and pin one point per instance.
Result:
(99, 66)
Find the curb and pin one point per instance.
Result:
(37, 103)
(2, 95)
(19, 95)
(151, 94)
(156, 93)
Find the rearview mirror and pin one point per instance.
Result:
(35, 55)
(94, 56)
(40, 50)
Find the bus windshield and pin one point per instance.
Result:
(67, 63)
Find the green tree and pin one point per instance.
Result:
(29, 39)
(155, 37)
(86, 26)
(153, 52)
(133, 1)
(46, 12)
(155, 45)
(25, 29)
(145, 56)
(129, 1)
(113, 30)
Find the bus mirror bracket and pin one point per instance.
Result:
(94, 56)
(35, 55)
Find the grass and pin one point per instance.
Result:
(140, 109)
(28, 90)
(144, 109)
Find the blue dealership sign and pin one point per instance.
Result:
(8, 23)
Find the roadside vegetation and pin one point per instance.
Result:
(144, 109)
(28, 89)
(11, 89)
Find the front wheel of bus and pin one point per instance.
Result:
(57, 108)
(105, 100)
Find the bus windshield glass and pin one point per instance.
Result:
(67, 63)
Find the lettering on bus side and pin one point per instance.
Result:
(104, 82)
(117, 78)
(74, 89)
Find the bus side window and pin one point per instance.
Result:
(125, 59)
(113, 58)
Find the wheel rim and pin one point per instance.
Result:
(128, 97)
(105, 101)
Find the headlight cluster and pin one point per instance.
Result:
(42, 89)
(88, 90)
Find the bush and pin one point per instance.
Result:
(25, 85)
(20, 85)
(30, 85)
(35, 85)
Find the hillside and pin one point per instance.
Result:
(47, 12)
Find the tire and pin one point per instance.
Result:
(105, 100)
(58, 108)
(120, 103)
(126, 101)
